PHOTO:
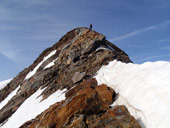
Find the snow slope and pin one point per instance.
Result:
(31, 73)
(4, 83)
(5, 101)
(144, 89)
(32, 107)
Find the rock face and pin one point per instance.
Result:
(76, 57)
(87, 108)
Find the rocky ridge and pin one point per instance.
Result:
(70, 64)
(87, 108)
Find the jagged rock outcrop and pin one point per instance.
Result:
(86, 108)
(77, 56)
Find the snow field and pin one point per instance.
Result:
(5, 101)
(143, 88)
(32, 107)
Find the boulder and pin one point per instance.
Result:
(78, 76)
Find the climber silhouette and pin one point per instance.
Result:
(90, 26)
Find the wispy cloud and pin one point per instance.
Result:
(136, 32)
(16, 10)
(149, 57)
(27, 3)
(133, 33)
(9, 51)
(16, 54)
(19, 16)
(166, 48)
(21, 20)
(9, 27)
(164, 40)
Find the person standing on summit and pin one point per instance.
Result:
(90, 26)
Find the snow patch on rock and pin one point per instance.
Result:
(5, 101)
(31, 73)
(50, 64)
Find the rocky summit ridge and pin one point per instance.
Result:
(70, 64)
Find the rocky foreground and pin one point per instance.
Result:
(71, 64)
(88, 107)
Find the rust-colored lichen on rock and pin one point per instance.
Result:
(89, 102)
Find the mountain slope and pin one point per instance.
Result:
(57, 75)
(87, 108)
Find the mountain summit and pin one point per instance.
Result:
(59, 89)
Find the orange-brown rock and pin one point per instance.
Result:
(87, 108)
(89, 100)
(117, 117)
(86, 83)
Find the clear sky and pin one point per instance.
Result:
(140, 27)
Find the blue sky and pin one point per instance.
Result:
(140, 27)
